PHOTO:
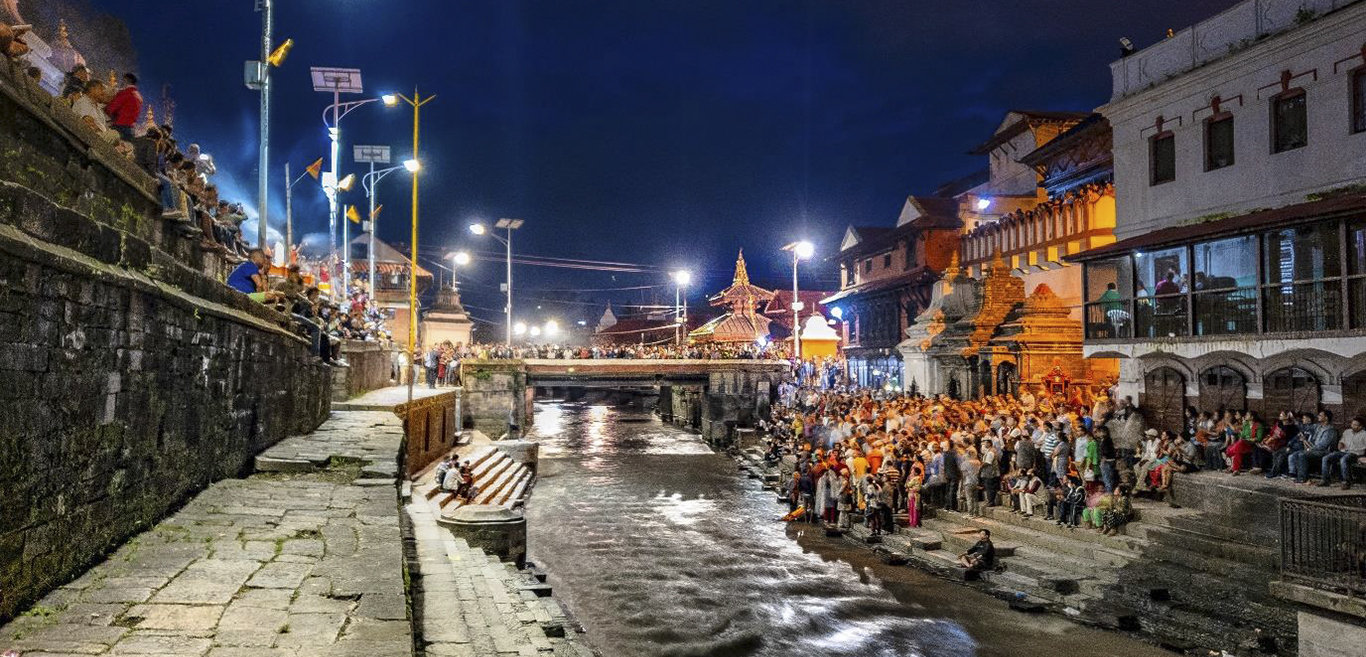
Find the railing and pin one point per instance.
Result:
(1357, 296)
(1109, 319)
(1227, 312)
(1302, 307)
(1160, 317)
(1323, 543)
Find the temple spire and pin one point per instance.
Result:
(741, 274)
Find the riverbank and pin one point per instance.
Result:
(1173, 578)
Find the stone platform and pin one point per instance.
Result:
(385, 399)
(280, 564)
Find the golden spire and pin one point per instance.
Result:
(150, 121)
(113, 80)
(63, 37)
(954, 269)
(741, 274)
(999, 264)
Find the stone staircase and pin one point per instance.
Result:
(1193, 581)
(499, 480)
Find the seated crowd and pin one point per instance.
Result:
(858, 451)
(324, 321)
(708, 351)
(187, 195)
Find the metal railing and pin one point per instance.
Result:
(1323, 542)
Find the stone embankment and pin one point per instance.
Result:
(1175, 577)
(320, 552)
(281, 563)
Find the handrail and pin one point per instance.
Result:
(1323, 543)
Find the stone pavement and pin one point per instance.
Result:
(283, 564)
(388, 398)
(369, 439)
(471, 604)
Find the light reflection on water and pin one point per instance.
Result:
(659, 547)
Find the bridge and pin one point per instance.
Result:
(712, 396)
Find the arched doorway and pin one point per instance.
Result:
(1291, 389)
(1354, 396)
(1007, 380)
(1222, 387)
(984, 375)
(1164, 398)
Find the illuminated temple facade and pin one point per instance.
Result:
(742, 323)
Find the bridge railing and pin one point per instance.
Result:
(1323, 543)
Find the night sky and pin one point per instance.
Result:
(669, 134)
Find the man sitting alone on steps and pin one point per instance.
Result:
(982, 554)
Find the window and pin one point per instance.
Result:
(1225, 286)
(1303, 271)
(1109, 294)
(1218, 143)
(1289, 122)
(1356, 269)
(1162, 158)
(887, 261)
(910, 252)
(868, 266)
(1358, 91)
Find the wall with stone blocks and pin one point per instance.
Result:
(429, 424)
(370, 367)
(130, 376)
(495, 392)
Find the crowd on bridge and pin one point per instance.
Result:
(875, 455)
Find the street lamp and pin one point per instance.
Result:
(552, 328)
(682, 278)
(375, 155)
(800, 250)
(416, 102)
(510, 225)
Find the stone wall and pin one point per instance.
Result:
(370, 367)
(429, 424)
(495, 393)
(130, 376)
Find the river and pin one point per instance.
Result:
(659, 547)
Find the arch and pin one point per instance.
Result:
(1354, 396)
(1222, 387)
(1236, 360)
(1320, 363)
(1164, 398)
(1158, 360)
(1291, 389)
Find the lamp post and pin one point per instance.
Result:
(510, 225)
(416, 102)
(801, 249)
(368, 183)
(289, 210)
(263, 174)
(681, 278)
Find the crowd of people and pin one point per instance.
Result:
(697, 351)
(859, 452)
(188, 197)
(326, 322)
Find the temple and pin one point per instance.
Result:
(742, 323)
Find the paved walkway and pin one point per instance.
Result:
(474, 605)
(388, 398)
(278, 564)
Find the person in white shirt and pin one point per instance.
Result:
(1351, 447)
(89, 106)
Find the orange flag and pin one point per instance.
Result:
(375, 213)
(316, 169)
(352, 214)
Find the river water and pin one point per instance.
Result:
(659, 547)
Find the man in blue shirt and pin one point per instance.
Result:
(1323, 440)
(247, 278)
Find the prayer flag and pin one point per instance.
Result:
(352, 214)
(316, 168)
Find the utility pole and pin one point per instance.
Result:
(263, 168)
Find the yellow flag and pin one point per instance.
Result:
(316, 169)
(352, 214)
(375, 213)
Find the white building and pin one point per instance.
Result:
(1239, 276)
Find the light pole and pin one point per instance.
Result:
(368, 183)
(263, 173)
(416, 102)
(289, 209)
(510, 225)
(682, 278)
(801, 249)
(339, 81)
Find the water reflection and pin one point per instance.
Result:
(660, 548)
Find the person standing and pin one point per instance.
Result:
(125, 108)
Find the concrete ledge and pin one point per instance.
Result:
(1325, 600)
(491, 528)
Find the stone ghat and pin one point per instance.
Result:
(280, 564)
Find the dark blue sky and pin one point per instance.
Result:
(668, 133)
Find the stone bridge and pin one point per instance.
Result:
(712, 396)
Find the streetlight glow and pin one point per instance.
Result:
(461, 258)
(519, 328)
(552, 327)
(347, 183)
(413, 166)
(983, 203)
(683, 277)
(389, 100)
(535, 331)
(478, 229)
(804, 249)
